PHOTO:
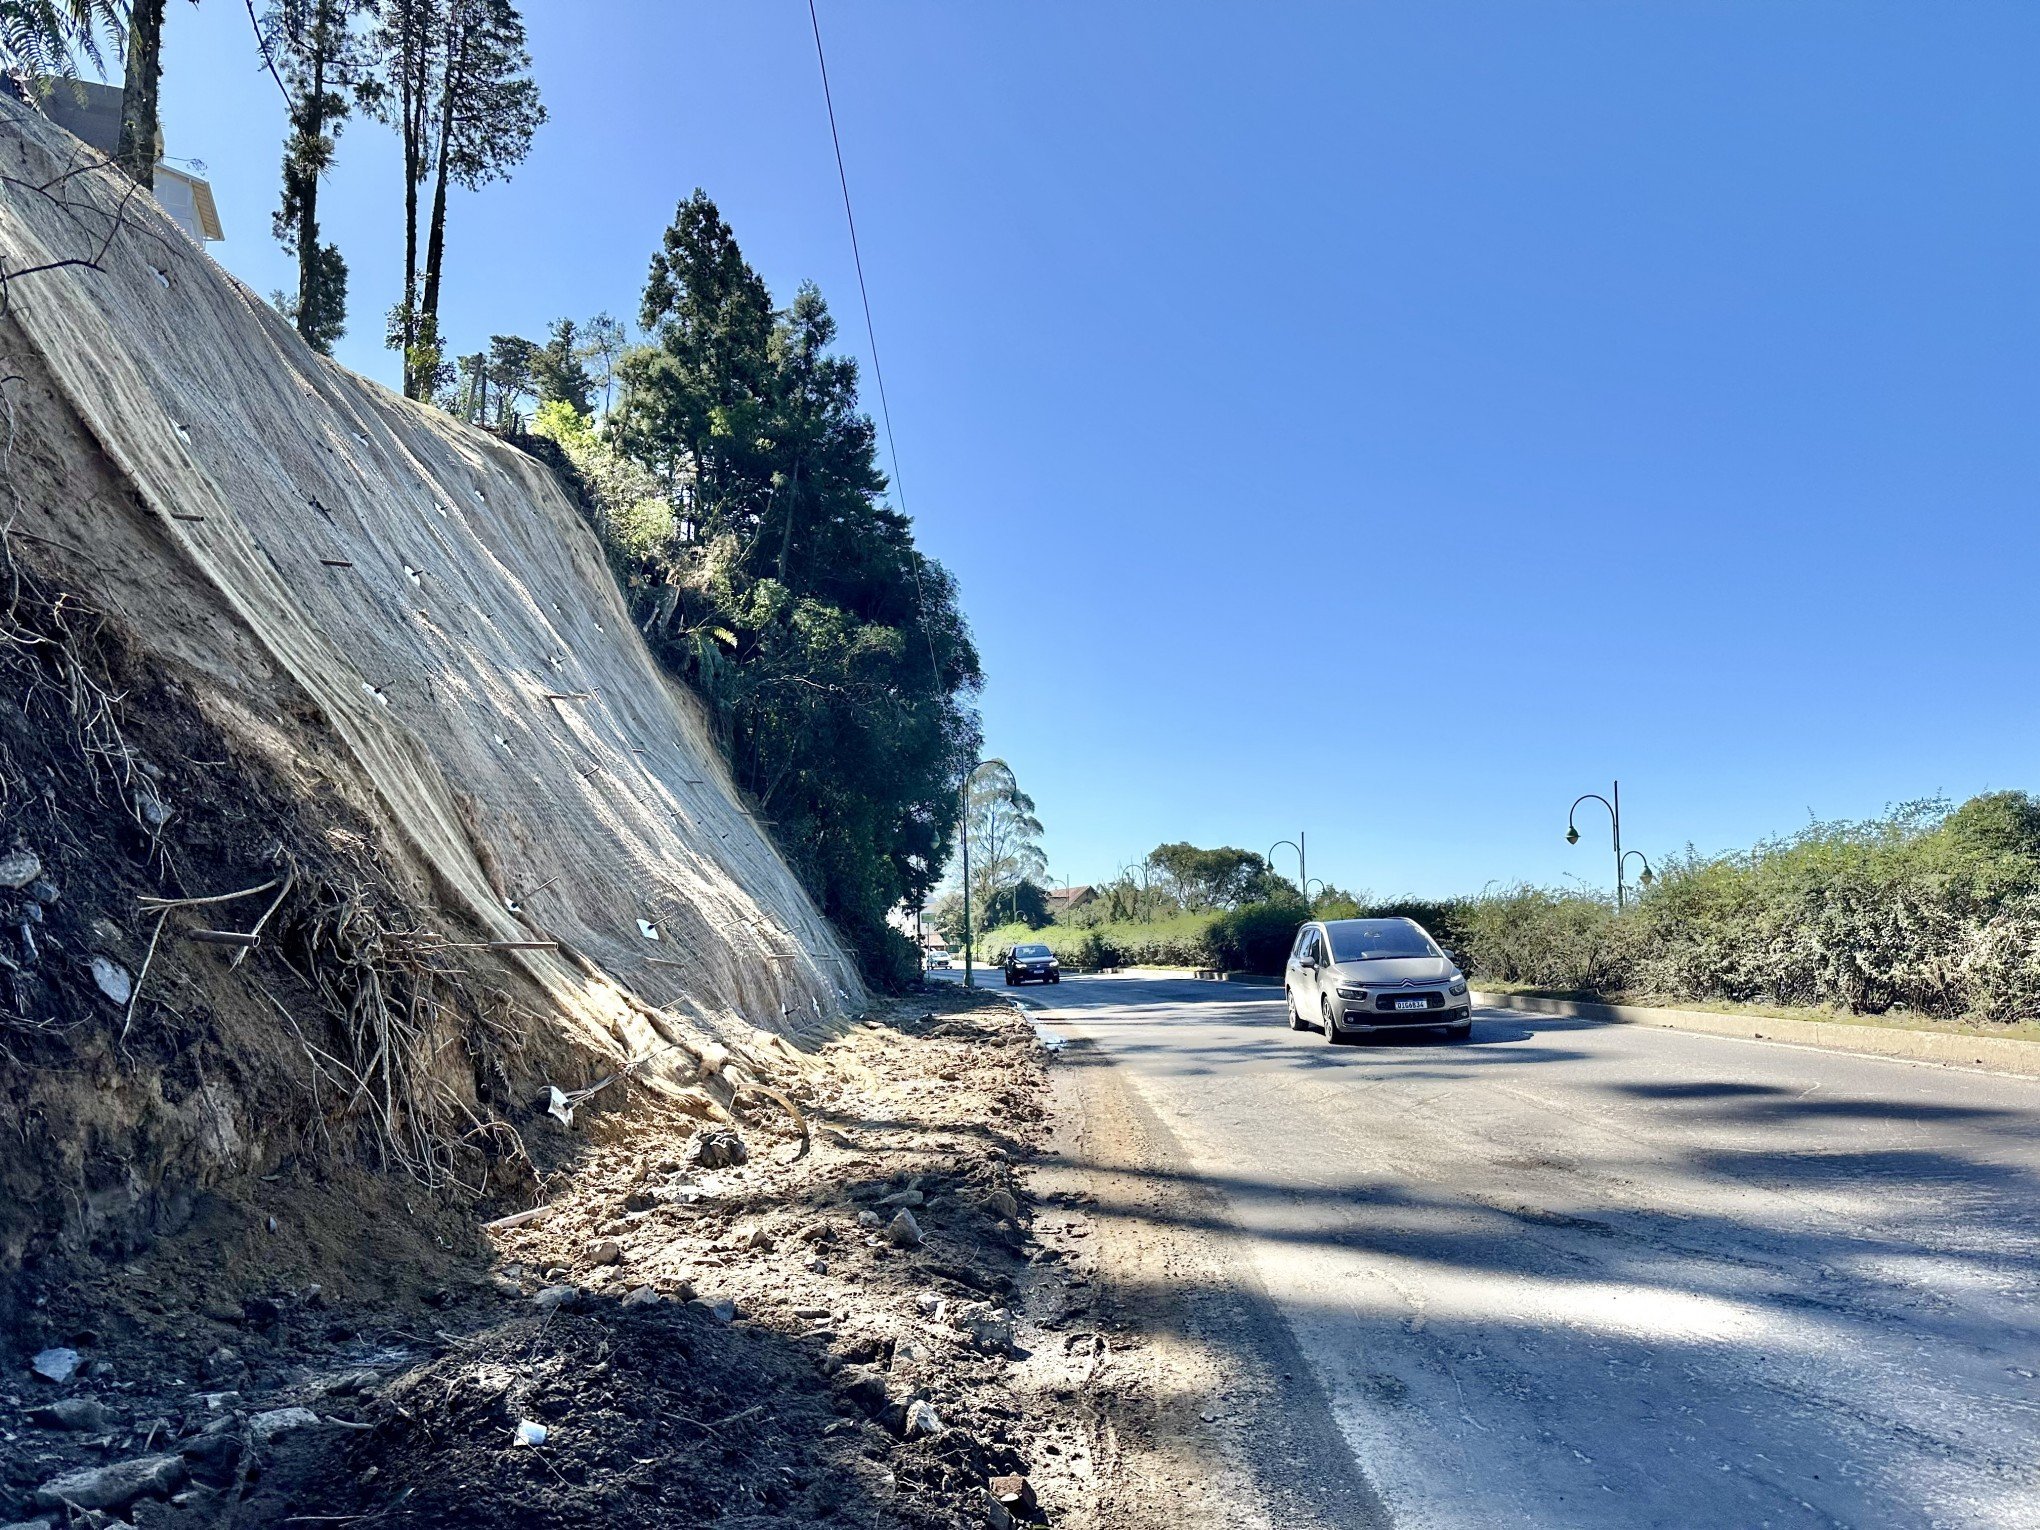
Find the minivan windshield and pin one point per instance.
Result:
(1030, 953)
(1373, 940)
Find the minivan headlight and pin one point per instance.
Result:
(1351, 993)
(1458, 985)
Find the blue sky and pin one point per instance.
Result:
(1385, 420)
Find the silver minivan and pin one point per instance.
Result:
(1352, 977)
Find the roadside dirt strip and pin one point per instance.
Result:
(814, 1317)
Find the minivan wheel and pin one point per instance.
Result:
(1295, 1020)
(1325, 1010)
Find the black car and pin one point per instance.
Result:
(1030, 964)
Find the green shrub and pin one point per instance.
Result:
(1923, 909)
(1256, 938)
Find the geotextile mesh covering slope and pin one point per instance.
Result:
(432, 594)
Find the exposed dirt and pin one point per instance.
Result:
(749, 1344)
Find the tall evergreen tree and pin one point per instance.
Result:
(830, 652)
(457, 87)
(323, 63)
(405, 40)
(559, 372)
(601, 347)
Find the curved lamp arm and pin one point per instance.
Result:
(1572, 833)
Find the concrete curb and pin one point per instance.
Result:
(1996, 1054)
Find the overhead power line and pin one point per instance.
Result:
(870, 330)
(892, 449)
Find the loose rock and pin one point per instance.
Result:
(18, 868)
(642, 1296)
(1000, 1203)
(58, 1365)
(112, 1487)
(720, 1148)
(113, 979)
(224, 1361)
(864, 1386)
(903, 1198)
(264, 1427)
(83, 1413)
(903, 1231)
(922, 1420)
(552, 1298)
(605, 1251)
(1014, 1493)
(991, 1333)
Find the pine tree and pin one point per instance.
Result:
(458, 90)
(602, 344)
(405, 42)
(829, 650)
(560, 374)
(324, 66)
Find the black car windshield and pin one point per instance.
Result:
(1029, 953)
(1374, 940)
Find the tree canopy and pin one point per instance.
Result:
(772, 575)
(1221, 878)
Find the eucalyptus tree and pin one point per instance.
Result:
(1005, 834)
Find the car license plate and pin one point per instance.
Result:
(1412, 1003)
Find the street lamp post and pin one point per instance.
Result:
(1614, 807)
(1302, 864)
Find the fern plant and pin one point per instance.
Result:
(41, 39)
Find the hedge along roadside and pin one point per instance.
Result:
(1256, 938)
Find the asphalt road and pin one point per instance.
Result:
(1572, 1274)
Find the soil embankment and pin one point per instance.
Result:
(348, 809)
(362, 878)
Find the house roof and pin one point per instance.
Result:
(1072, 896)
(201, 199)
(90, 111)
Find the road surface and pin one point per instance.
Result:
(1570, 1274)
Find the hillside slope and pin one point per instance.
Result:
(429, 591)
(270, 625)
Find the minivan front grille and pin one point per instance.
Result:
(1388, 1001)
